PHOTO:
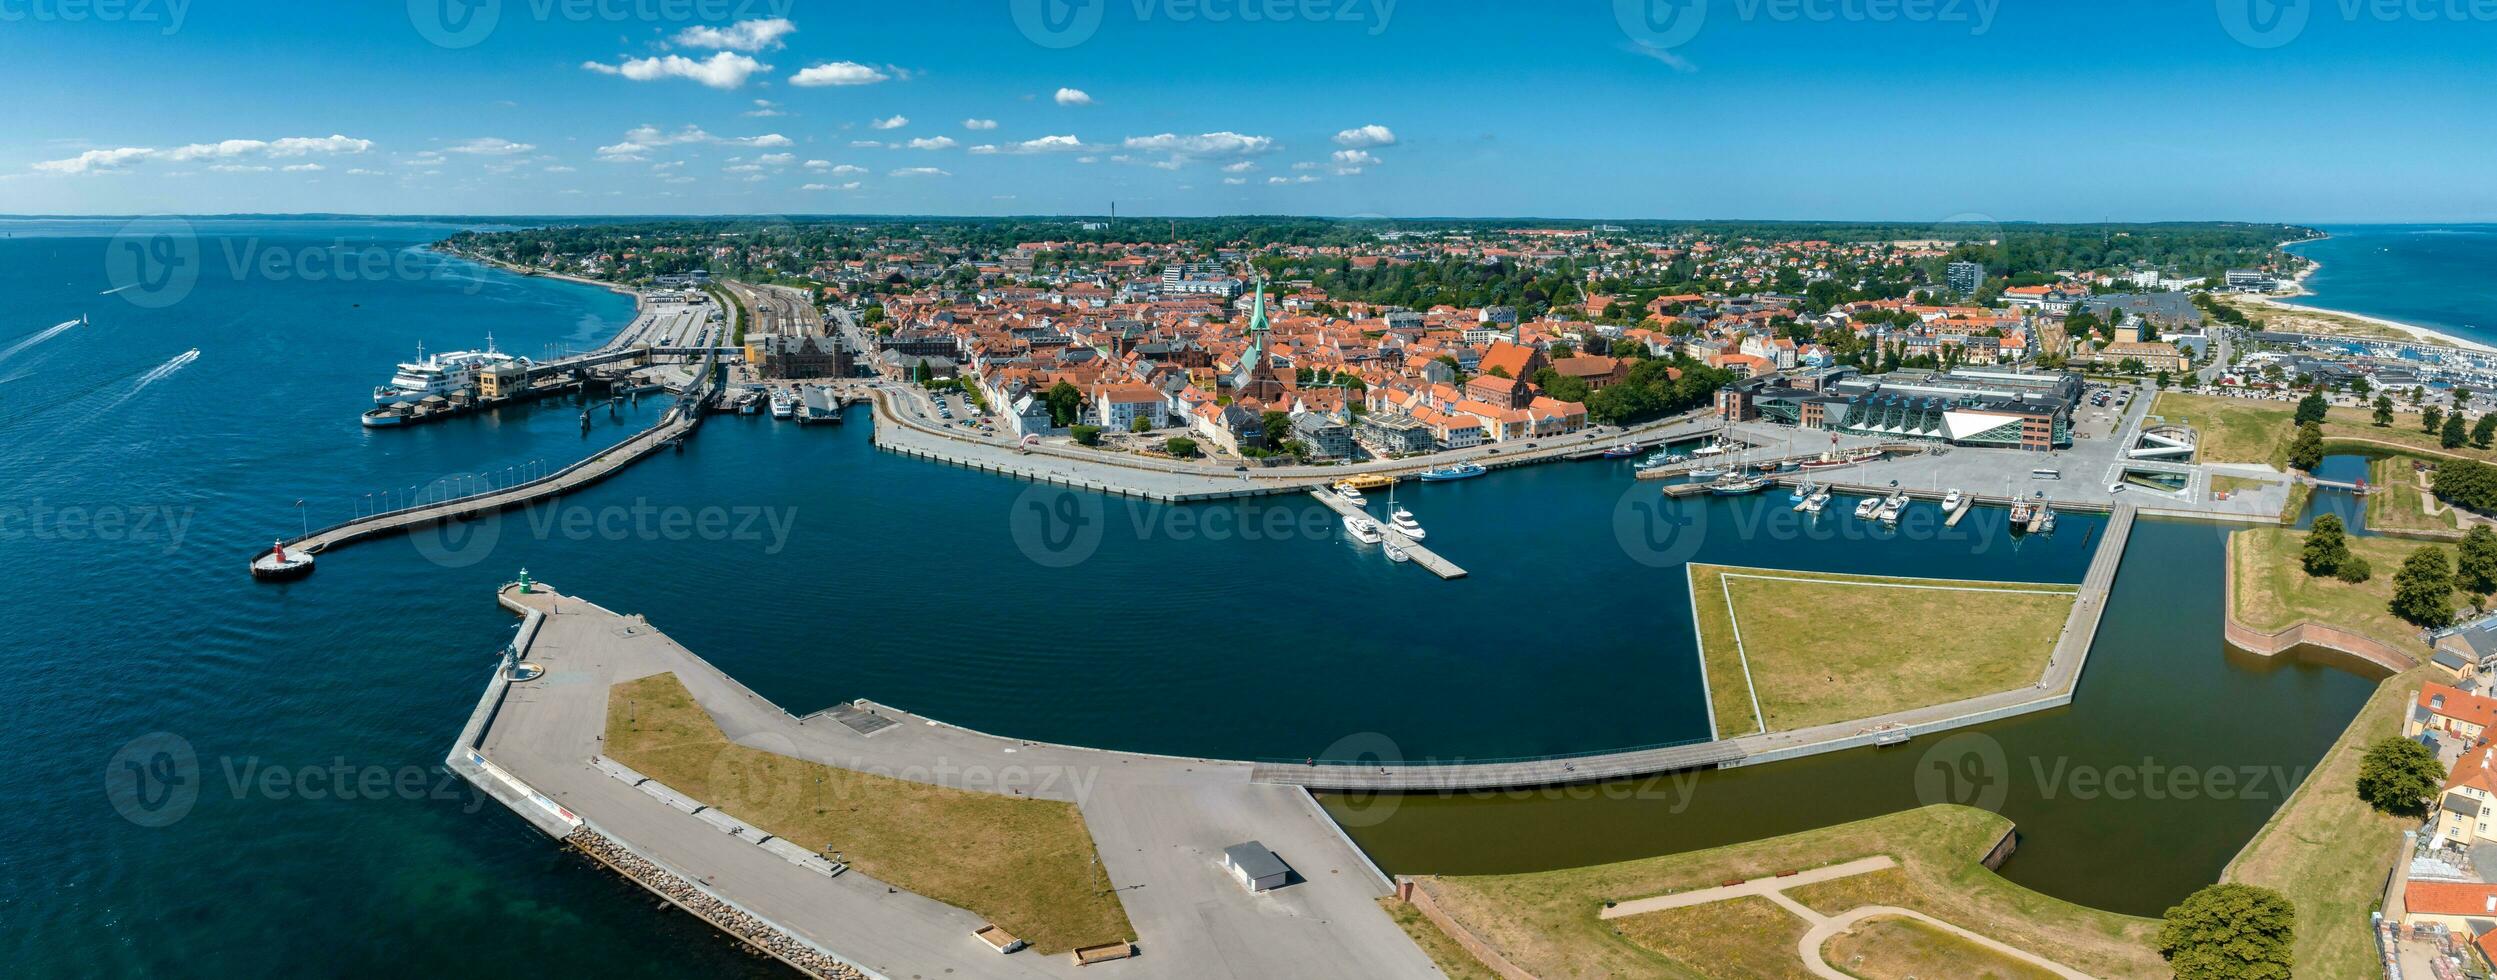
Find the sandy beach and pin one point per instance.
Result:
(2298, 288)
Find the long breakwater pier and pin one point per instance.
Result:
(679, 422)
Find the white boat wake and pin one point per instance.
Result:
(117, 289)
(39, 337)
(158, 373)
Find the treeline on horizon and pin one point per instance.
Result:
(2013, 254)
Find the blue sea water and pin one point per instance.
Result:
(2443, 277)
(134, 485)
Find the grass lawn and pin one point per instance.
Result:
(1547, 923)
(2253, 430)
(1027, 865)
(2274, 592)
(2327, 851)
(1736, 939)
(2396, 503)
(2233, 430)
(1444, 952)
(2224, 483)
(1893, 948)
(1814, 659)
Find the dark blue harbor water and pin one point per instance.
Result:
(323, 837)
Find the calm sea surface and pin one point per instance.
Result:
(320, 834)
(2443, 277)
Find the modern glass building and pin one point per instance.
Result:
(1963, 407)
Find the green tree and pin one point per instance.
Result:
(2399, 776)
(2230, 932)
(2423, 590)
(1143, 423)
(2354, 570)
(1180, 446)
(2454, 433)
(1088, 435)
(2484, 431)
(2327, 546)
(1066, 404)
(2313, 408)
(2475, 562)
(1277, 427)
(2307, 450)
(2384, 411)
(2431, 419)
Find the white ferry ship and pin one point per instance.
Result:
(441, 374)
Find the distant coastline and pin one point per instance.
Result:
(2298, 288)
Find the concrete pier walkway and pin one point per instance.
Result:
(1159, 824)
(1422, 556)
(678, 423)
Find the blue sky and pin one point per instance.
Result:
(1920, 110)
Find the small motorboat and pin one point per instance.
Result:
(1348, 492)
(1870, 507)
(1363, 530)
(1398, 555)
(1460, 471)
(1952, 500)
(1707, 473)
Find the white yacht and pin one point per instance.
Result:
(784, 404)
(1396, 554)
(441, 374)
(1363, 530)
(1402, 520)
(1870, 507)
(1348, 492)
(1951, 501)
(1893, 507)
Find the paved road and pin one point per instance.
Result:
(1159, 824)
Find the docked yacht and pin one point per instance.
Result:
(1893, 507)
(1869, 508)
(1396, 554)
(1402, 520)
(441, 374)
(1348, 492)
(1460, 471)
(784, 404)
(1952, 500)
(1363, 530)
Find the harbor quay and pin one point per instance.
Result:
(1160, 824)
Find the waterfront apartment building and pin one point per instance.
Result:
(1963, 277)
(1963, 407)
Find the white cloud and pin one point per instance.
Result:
(304, 168)
(764, 109)
(866, 144)
(816, 187)
(837, 73)
(560, 169)
(490, 146)
(891, 122)
(818, 164)
(1242, 167)
(97, 161)
(767, 141)
(979, 124)
(1204, 146)
(1662, 55)
(1235, 181)
(744, 168)
(625, 152)
(725, 70)
(1073, 96)
(776, 159)
(849, 169)
(1364, 137)
(362, 172)
(1349, 162)
(110, 160)
(744, 35)
(851, 186)
(919, 172)
(240, 168)
(932, 143)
